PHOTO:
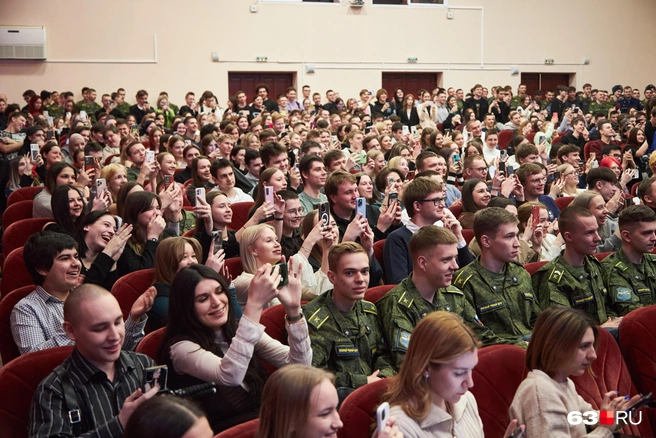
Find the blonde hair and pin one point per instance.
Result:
(439, 339)
(249, 236)
(108, 172)
(168, 255)
(295, 384)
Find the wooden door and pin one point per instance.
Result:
(532, 82)
(544, 81)
(409, 82)
(247, 81)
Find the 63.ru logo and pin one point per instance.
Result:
(591, 418)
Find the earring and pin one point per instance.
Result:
(426, 375)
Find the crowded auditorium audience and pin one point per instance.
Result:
(387, 239)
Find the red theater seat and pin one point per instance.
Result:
(358, 410)
(16, 234)
(8, 349)
(14, 272)
(375, 293)
(240, 214)
(533, 267)
(244, 430)
(149, 345)
(23, 194)
(563, 202)
(234, 267)
(129, 287)
(16, 212)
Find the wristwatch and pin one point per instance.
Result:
(294, 318)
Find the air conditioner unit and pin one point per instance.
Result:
(22, 42)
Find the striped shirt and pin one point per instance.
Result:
(37, 319)
(99, 399)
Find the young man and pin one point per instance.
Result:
(223, 174)
(628, 102)
(577, 136)
(226, 143)
(514, 121)
(630, 273)
(54, 265)
(334, 160)
(344, 331)
(292, 102)
(607, 134)
(112, 142)
(475, 167)
(313, 173)
(142, 107)
(275, 155)
(190, 106)
(253, 163)
(532, 177)
(75, 143)
(263, 91)
(490, 151)
(427, 289)
(477, 103)
(558, 103)
(192, 133)
(574, 278)
(99, 378)
(291, 239)
(496, 286)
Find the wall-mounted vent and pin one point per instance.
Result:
(22, 42)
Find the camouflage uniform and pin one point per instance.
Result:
(90, 108)
(124, 108)
(516, 101)
(503, 302)
(600, 107)
(349, 345)
(631, 286)
(55, 111)
(582, 288)
(401, 309)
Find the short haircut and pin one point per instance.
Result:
(557, 337)
(567, 149)
(82, 293)
(307, 145)
(251, 154)
(341, 249)
(306, 164)
(600, 174)
(526, 170)
(217, 165)
(488, 220)
(469, 160)
(577, 119)
(525, 150)
(334, 180)
(607, 149)
(331, 156)
(634, 214)
(568, 220)
(645, 187)
(270, 150)
(417, 190)
(41, 249)
(426, 239)
(422, 157)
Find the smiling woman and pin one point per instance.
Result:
(67, 206)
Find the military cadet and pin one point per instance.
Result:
(344, 331)
(434, 255)
(89, 104)
(496, 286)
(630, 274)
(573, 279)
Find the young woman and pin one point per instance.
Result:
(209, 146)
(115, 176)
(100, 246)
(563, 344)
(430, 396)
(201, 177)
(400, 163)
(67, 207)
(168, 417)
(19, 174)
(570, 177)
(408, 112)
(164, 109)
(386, 144)
(143, 211)
(379, 161)
(475, 197)
(167, 166)
(60, 173)
(268, 177)
(311, 407)
(538, 237)
(176, 146)
(237, 156)
(153, 142)
(594, 202)
(251, 140)
(204, 342)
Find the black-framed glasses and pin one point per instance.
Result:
(435, 201)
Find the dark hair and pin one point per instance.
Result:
(122, 196)
(488, 220)
(501, 202)
(52, 174)
(600, 174)
(271, 150)
(135, 204)
(306, 164)
(183, 324)
(381, 179)
(40, 250)
(61, 211)
(251, 154)
(468, 204)
(635, 214)
(163, 417)
(89, 219)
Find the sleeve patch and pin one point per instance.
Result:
(402, 339)
(623, 294)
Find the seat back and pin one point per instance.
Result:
(273, 320)
(504, 138)
(500, 371)
(373, 294)
(17, 211)
(14, 272)
(23, 194)
(240, 214)
(533, 267)
(468, 235)
(358, 410)
(129, 287)
(611, 375)
(16, 234)
(456, 210)
(150, 343)
(18, 382)
(563, 202)
(244, 430)
(379, 251)
(602, 255)
(8, 349)
(234, 266)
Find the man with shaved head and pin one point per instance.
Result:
(96, 389)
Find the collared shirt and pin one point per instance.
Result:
(36, 324)
(99, 399)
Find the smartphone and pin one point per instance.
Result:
(554, 115)
(593, 156)
(111, 102)
(34, 151)
(200, 194)
(83, 115)
(447, 131)
(268, 194)
(390, 180)
(324, 213)
(575, 111)
(393, 197)
(334, 139)
(556, 175)
(284, 133)
(68, 115)
(217, 238)
(296, 167)
(382, 414)
(503, 154)
(187, 143)
(50, 135)
(502, 166)
(89, 163)
(516, 433)
(414, 130)
(168, 179)
(635, 173)
(135, 127)
(156, 375)
(284, 274)
(543, 140)
(150, 156)
(510, 170)
(405, 130)
(361, 207)
(51, 120)
(535, 213)
(456, 158)
(101, 183)
(46, 114)
(643, 401)
(362, 158)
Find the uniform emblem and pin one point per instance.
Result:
(623, 294)
(402, 339)
(346, 350)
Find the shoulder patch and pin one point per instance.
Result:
(402, 339)
(320, 316)
(556, 275)
(369, 307)
(453, 290)
(462, 278)
(621, 266)
(404, 300)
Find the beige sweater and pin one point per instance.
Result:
(462, 421)
(542, 404)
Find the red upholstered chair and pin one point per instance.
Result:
(18, 382)
(558, 138)
(273, 320)
(611, 374)
(586, 151)
(379, 248)
(637, 343)
(532, 268)
(530, 137)
(468, 235)
(563, 202)
(244, 430)
(8, 349)
(17, 211)
(191, 233)
(373, 294)
(16, 234)
(234, 267)
(240, 214)
(149, 345)
(109, 159)
(602, 255)
(634, 190)
(456, 210)
(14, 272)
(23, 194)
(358, 410)
(440, 127)
(504, 138)
(129, 287)
(500, 370)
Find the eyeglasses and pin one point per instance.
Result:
(298, 212)
(435, 201)
(480, 169)
(538, 181)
